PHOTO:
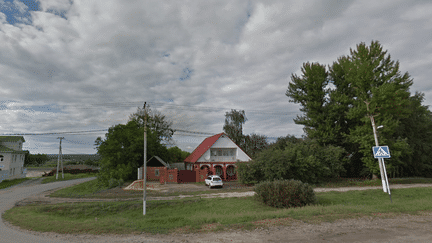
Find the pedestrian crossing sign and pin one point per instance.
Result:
(381, 152)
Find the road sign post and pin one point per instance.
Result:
(381, 152)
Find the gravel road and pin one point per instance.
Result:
(404, 228)
(8, 198)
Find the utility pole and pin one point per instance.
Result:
(380, 162)
(384, 179)
(58, 161)
(145, 159)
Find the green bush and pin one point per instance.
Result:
(285, 193)
(115, 183)
(305, 160)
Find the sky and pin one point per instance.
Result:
(84, 66)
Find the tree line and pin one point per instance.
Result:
(122, 149)
(338, 103)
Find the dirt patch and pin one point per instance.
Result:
(36, 173)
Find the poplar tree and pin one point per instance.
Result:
(233, 127)
(365, 84)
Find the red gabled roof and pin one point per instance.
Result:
(202, 148)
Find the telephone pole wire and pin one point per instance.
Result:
(60, 157)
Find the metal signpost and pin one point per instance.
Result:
(381, 152)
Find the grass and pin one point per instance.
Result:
(8, 183)
(67, 176)
(90, 189)
(362, 182)
(199, 214)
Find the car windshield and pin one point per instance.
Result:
(216, 179)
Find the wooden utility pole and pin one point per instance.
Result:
(60, 157)
(145, 159)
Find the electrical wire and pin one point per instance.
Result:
(51, 133)
(161, 105)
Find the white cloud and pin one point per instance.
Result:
(237, 54)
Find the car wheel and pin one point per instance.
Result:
(210, 186)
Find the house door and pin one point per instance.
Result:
(219, 171)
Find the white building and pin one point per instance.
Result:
(11, 157)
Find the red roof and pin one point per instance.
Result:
(202, 148)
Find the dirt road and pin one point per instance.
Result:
(403, 228)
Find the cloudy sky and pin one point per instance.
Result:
(70, 66)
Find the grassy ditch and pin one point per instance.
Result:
(8, 183)
(199, 214)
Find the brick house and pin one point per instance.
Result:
(11, 157)
(217, 155)
(155, 165)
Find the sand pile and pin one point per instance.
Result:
(138, 186)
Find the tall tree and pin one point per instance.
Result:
(254, 143)
(367, 84)
(310, 91)
(233, 127)
(282, 142)
(122, 149)
(175, 154)
(156, 121)
(381, 93)
(417, 128)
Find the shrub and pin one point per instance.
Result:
(285, 193)
(115, 182)
(306, 161)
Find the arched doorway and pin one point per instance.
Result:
(207, 169)
(219, 171)
(231, 173)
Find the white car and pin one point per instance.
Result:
(213, 181)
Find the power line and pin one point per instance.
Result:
(164, 106)
(52, 133)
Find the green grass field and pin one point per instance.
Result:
(198, 214)
(90, 188)
(349, 182)
(67, 176)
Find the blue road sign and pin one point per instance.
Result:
(381, 152)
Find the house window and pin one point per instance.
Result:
(223, 152)
(213, 152)
(219, 152)
(157, 172)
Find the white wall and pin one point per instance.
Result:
(224, 142)
(7, 160)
